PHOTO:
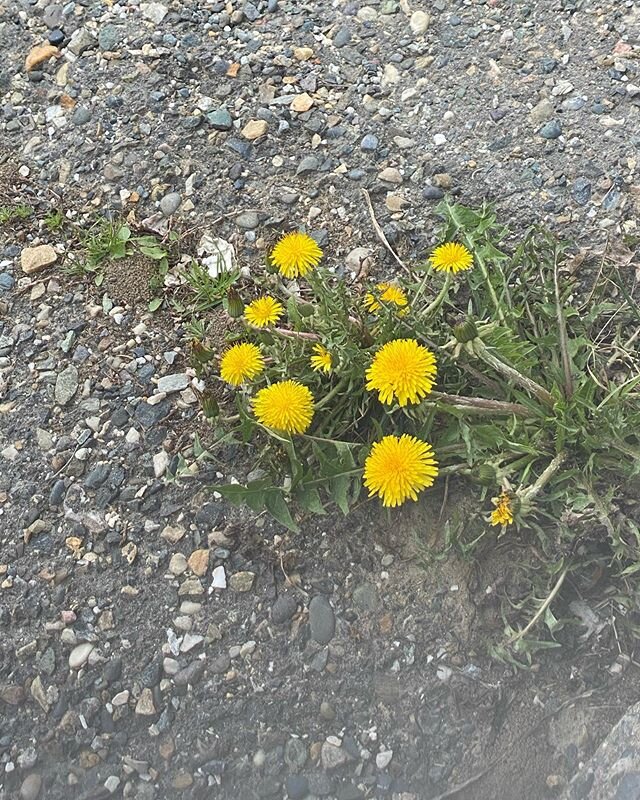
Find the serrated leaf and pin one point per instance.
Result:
(309, 499)
(339, 490)
(277, 506)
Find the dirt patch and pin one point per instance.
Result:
(128, 280)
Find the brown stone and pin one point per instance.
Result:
(255, 128)
(38, 54)
(35, 259)
(199, 562)
(301, 103)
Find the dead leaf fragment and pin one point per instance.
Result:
(38, 54)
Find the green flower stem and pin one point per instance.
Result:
(535, 488)
(431, 309)
(332, 393)
(468, 241)
(480, 350)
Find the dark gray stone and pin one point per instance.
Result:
(297, 787)
(321, 619)
(551, 130)
(295, 754)
(283, 609)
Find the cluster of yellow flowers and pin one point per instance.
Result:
(402, 371)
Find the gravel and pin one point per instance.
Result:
(123, 591)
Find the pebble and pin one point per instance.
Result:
(169, 204)
(155, 12)
(383, 759)
(242, 581)
(321, 619)
(30, 787)
(369, 143)
(297, 787)
(81, 116)
(173, 383)
(295, 754)
(366, 597)
(66, 385)
(35, 259)
(145, 706)
(342, 37)
(220, 119)
(177, 564)
(219, 579)
(419, 22)
(79, 655)
(248, 220)
(254, 129)
(283, 609)
(333, 756)
(551, 130)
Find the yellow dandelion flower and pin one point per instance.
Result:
(321, 361)
(397, 468)
(241, 363)
(451, 257)
(387, 293)
(503, 512)
(402, 370)
(295, 255)
(285, 407)
(263, 312)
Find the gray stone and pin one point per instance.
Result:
(613, 771)
(432, 193)
(81, 116)
(295, 754)
(173, 383)
(31, 786)
(52, 16)
(581, 191)
(155, 12)
(369, 143)
(308, 164)
(551, 130)
(242, 581)
(57, 492)
(332, 756)
(220, 664)
(251, 12)
(342, 37)
(220, 119)
(283, 609)
(321, 619)
(297, 787)
(110, 36)
(81, 40)
(7, 282)
(170, 203)
(248, 220)
(365, 597)
(66, 385)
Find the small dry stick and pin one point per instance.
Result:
(380, 232)
(562, 331)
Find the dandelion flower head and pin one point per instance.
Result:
(397, 468)
(241, 363)
(295, 255)
(321, 359)
(451, 257)
(387, 293)
(402, 370)
(263, 312)
(286, 406)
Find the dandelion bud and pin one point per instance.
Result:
(465, 331)
(306, 309)
(233, 304)
(210, 407)
(485, 475)
(200, 353)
